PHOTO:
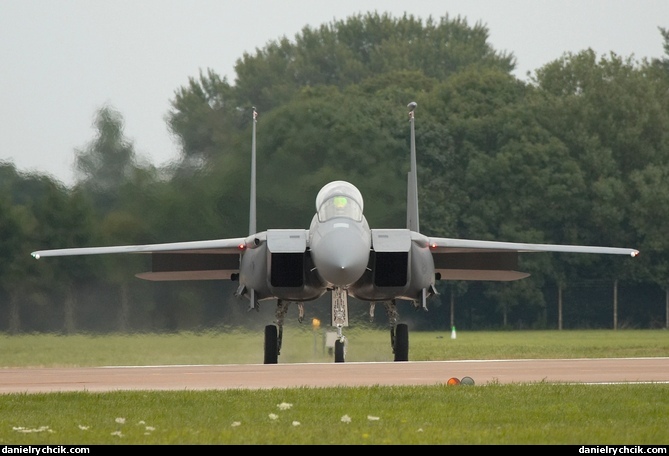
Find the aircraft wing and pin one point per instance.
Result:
(193, 260)
(467, 259)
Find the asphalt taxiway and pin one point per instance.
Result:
(257, 376)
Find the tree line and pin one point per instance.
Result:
(576, 154)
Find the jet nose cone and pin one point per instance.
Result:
(341, 257)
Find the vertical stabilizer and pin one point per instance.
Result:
(412, 178)
(252, 208)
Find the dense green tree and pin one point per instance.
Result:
(203, 118)
(351, 50)
(612, 116)
(577, 155)
(485, 173)
(105, 162)
(15, 226)
(663, 63)
(21, 279)
(325, 134)
(65, 218)
(474, 108)
(651, 217)
(378, 51)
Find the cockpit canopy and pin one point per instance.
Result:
(339, 199)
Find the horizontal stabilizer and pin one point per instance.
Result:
(483, 275)
(185, 275)
(191, 266)
(491, 266)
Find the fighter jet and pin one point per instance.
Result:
(339, 253)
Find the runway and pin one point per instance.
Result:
(260, 376)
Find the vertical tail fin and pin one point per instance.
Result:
(412, 178)
(252, 208)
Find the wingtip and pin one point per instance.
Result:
(35, 255)
(635, 254)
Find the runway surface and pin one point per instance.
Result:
(256, 376)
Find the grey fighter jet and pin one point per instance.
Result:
(339, 253)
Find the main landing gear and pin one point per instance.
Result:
(274, 333)
(399, 332)
(272, 344)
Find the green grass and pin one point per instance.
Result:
(302, 344)
(490, 414)
(539, 413)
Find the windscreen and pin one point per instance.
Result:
(339, 199)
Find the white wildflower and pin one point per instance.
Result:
(236, 423)
(296, 423)
(150, 428)
(284, 406)
(117, 433)
(373, 418)
(28, 430)
(120, 420)
(345, 419)
(83, 428)
(420, 430)
(273, 416)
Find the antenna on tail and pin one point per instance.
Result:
(252, 209)
(412, 178)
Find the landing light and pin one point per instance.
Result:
(241, 246)
(635, 253)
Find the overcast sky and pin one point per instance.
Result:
(62, 60)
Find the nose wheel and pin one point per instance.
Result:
(339, 320)
(340, 350)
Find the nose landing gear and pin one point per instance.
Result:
(339, 320)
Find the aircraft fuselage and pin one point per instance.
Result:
(339, 250)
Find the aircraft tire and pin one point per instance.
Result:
(271, 344)
(401, 348)
(340, 352)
